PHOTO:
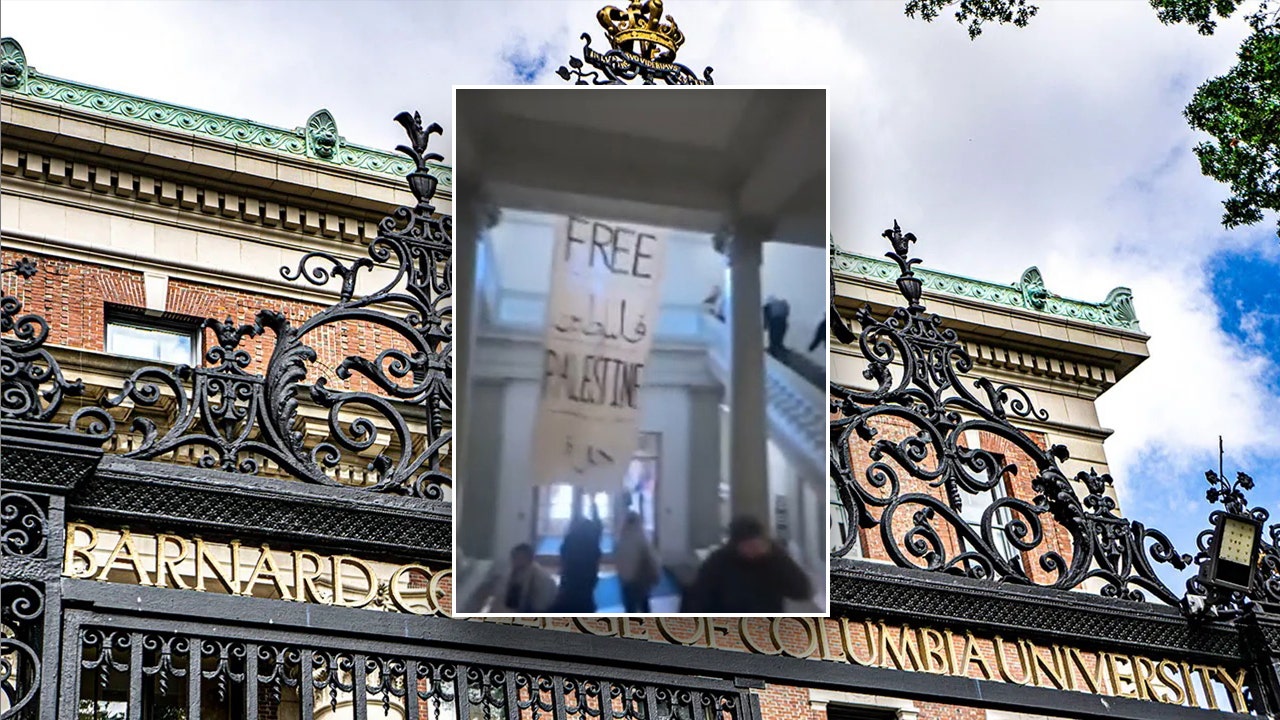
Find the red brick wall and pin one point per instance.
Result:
(1017, 485)
(782, 702)
(73, 297)
(934, 711)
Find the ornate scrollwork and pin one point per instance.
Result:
(32, 386)
(25, 525)
(288, 672)
(436, 683)
(20, 666)
(916, 364)
(24, 520)
(237, 416)
(643, 46)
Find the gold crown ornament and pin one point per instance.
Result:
(639, 30)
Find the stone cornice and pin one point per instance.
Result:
(301, 142)
(1027, 294)
(1018, 363)
(164, 189)
(158, 198)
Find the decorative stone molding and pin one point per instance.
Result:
(40, 166)
(1028, 294)
(17, 77)
(13, 64)
(322, 136)
(1026, 362)
(906, 709)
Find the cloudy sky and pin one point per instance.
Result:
(1061, 145)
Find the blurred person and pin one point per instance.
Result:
(749, 574)
(714, 303)
(527, 586)
(819, 335)
(579, 567)
(637, 563)
(776, 313)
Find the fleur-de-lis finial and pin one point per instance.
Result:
(908, 283)
(418, 139)
(421, 181)
(901, 243)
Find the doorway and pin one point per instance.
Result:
(638, 492)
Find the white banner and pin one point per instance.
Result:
(602, 312)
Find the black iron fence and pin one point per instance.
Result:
(149, 669)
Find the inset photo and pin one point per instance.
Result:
(641, 396)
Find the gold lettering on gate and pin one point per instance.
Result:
(933, 650)
(1235, 689)
(850, 648)
(604, 627)
(1002, 662)
(750, 641)
(974, 656)
(777, 637)
(664, 628)
(167, 567)
(172, 561)
(80, 552)
(125, 551)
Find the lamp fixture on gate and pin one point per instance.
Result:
(1230, 551)
(1235, 544)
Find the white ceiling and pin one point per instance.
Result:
(694, 118)
(687, 158)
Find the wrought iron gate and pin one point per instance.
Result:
(85, 649)
(157, 669)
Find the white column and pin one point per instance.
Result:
(748, 456)
(472, 217)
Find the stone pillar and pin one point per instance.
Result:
(748, 457)
(472, 217)
(704, 469)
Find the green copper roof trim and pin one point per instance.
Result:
(1028, 293)
(317, 141)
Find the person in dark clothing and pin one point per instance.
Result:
(579, 567)
(525, 587)
(819, 335)
(776, 313)
(749, 574)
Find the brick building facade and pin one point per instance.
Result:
(156, 217)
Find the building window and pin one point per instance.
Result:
(972, 511)
(841, 525)
(153, 339)
(853, 712)
(555, 504)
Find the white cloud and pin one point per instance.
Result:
(1061, 145)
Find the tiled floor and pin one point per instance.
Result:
(666, 597)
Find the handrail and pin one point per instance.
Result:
(786, 392)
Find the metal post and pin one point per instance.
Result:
(1260, 637)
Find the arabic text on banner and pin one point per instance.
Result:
(606, 282)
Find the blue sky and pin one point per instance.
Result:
(1061, 145)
